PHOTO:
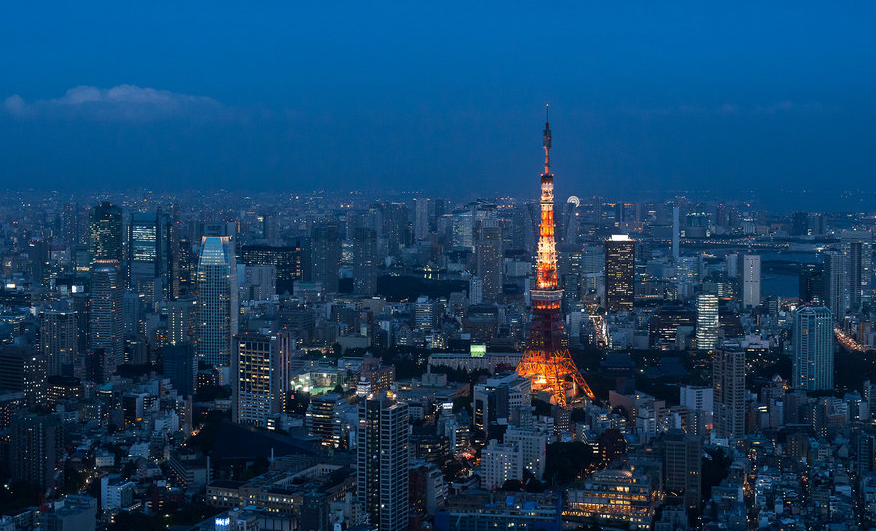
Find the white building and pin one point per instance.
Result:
(499, 463)
(751, 281)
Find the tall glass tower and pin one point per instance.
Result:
(813, 349)
(217, 300)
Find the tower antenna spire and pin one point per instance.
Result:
(547, 140)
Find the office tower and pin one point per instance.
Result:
(58, 339)
(687, 269)
(321, 418)
(425, 315)
(490, 259)
(395, 226)
(132, 310)
(260, 377)
(106, 314)
(325, 255)
(500, 463)
(620, 266)
(532, 446)
(70, 223)
(675, 233)
(40, 267)
(463, 229)
(751, 281)
(82, 310)
(259, 282)
(813, 349)
(728, 387)
(364, 261)
(421, 218)
(683, 466)
(382, 462)
(271, 229)
(286, 260)
(181, 316)
(217, 300)
(105, 233)
(834, 279)
(811, 284)
(857, 248)
(707, 321)
(23, 370)
(732, 261)
(546, 361)
(180, 365)
(523, 229)
(698, 399)
(148, 253)
(37, 451)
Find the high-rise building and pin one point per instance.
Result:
(728, 387)
(106, 314)
(813, 349)
(286, 260)
(148, 255)
(322, 420)
(396, 228)
(707, 321)
(751, 281)
(325, 255)
(382, 462)
(58, 339)
(260, 377)
(500, 463)
(105, 233)
(37, 451)
(834, 284)
(23, 370)
(490, 259)
(620, 268)
(181, 315)
(181, 367)
(217, 300)
(683, 466)
(364, 261)
(421, 218)
(857, 249)
(532, 445)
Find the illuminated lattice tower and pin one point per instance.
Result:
(547, 361)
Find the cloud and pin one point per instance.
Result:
(119, 103)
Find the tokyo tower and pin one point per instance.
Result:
(546, 361)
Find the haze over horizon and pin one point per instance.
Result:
(441, 99)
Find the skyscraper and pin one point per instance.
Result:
(813, 349)
(728, 384)
(382, 462)
(834, 279)
(683, 464)
(260, 378)
(105, 233)
(707, 321)
(58, 339)
(148, 255)
(217, 300)
(106, 315)
(857, 249)
(325, 254)
(23, 370)
(286, 260)
(180, 365)
(364, 261)
(37, 451)
(490, 259)
(620, 267)
(421, 218)
(751, 281)
(546, 361)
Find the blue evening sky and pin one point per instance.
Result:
(445, 97)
